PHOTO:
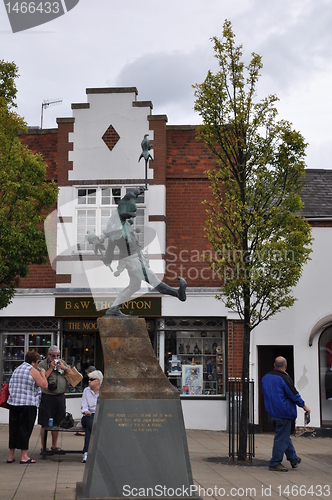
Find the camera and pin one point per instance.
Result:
(52, 386)
(57, 366)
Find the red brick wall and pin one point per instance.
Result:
(157, 123)
(234, 348)
(40, 276)
(45, 142)
(66, 125)
(186, 156)
(320, 223)
(186, 188)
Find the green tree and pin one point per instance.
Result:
(8, 90)
(260, 241)
(25, 194)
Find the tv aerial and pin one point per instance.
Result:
(45, 105)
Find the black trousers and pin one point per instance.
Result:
(21, 423)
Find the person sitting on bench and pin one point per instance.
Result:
(88, 407)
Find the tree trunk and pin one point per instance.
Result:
(244, 418)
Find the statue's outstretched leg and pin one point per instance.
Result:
(180, 293)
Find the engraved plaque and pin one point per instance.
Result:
(137, 444)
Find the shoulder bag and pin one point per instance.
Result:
(4, 395)
(67, 421)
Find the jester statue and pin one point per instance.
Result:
(121, 234)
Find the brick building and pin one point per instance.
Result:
(94, 158)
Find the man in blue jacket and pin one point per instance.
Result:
(281, 399)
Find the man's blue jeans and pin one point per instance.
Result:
(87, 423)
(282, 441)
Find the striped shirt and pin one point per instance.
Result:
(23, 390)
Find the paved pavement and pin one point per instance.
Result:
(55, 478)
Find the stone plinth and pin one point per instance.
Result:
(131, 368)
(138, 445)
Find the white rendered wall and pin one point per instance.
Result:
(198, 303)
(41, 304)
(93, 161)
(4, 416)
(156, 206)
(293, 326)
(91, 157)
(198, 413)
(65, 200)
(205, 414)
(157, 199)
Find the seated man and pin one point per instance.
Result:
(88, 407)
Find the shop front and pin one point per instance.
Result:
(190, 350)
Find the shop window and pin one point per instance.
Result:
(79, 350)
(15, 346)
(325, 361)
(194, 354)
(94, 207)
(19, 335)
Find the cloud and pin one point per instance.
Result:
(167, 78)
(294, 39)
(163, 48)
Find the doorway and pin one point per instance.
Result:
(266, 357)
(325, 365)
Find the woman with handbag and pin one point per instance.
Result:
(24, 397)
(88, 407)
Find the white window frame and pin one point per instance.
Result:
(96, 206)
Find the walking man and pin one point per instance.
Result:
(281, 399)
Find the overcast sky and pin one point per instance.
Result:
(164, 47)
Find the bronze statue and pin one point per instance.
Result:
(146, 145)
(121, 234)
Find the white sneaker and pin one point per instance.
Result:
(85, 456)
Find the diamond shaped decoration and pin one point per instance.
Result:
(110, 137)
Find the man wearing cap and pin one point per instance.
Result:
(53, 401)
(90, 369)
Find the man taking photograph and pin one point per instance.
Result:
(53, 401)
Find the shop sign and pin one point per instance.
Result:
(91, 325)
(80, 325)
(95, 307)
